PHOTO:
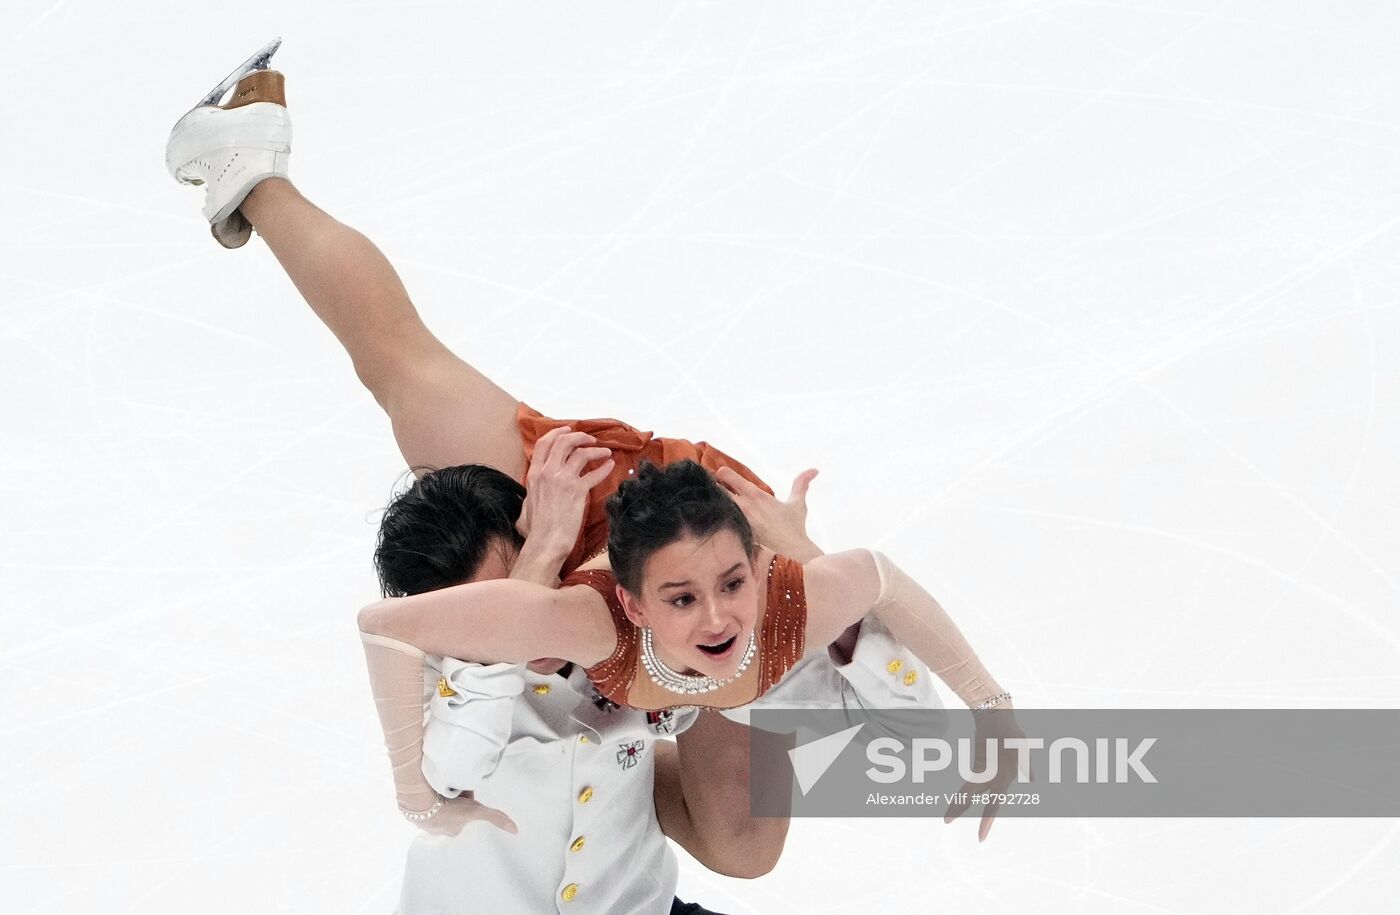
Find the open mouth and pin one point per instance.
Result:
(717, 650)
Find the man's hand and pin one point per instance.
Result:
(556, 493)
(780, 526)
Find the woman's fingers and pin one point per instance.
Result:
(581, 457)
(740, 485)
(558, 444)
(959, 807)
(545, 445)
(498, 819)
(598, 474)
(801, 484)
(566, 444)
(731, 480)
(988, 815)
(460, 812)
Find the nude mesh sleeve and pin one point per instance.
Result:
(396, 680)
(916, 619)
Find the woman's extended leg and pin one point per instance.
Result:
(443, 411)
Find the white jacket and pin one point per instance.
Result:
(535, 745)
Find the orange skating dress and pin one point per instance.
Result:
(781, 629)
(630, 446)
(782, 625)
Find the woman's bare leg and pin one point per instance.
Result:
(443, 411)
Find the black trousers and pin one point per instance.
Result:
(689, 908)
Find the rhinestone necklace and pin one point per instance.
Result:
(688, 684)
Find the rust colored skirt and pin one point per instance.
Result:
(630, 446)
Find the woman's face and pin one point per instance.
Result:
(700, 600)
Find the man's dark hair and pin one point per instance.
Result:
(436, 533)
(660, 506)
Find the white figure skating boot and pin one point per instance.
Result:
(228, 148)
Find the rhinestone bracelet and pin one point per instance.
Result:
(992, 702)
(424, 815)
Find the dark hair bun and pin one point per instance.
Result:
(659, 506)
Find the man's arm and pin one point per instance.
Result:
(472, 709)
(702, 797)
(472, 712)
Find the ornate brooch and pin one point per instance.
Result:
(629, 753)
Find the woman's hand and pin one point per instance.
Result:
(780, 526)
(999, 724)
(556, 486)
(458, 812)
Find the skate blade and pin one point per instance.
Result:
(257, 62)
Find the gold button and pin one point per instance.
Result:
(910, 677)
(444, 690)
(583, 738)
(895, 666)
(542, 689)
(585, 795)
(570, 892)
(578, 844)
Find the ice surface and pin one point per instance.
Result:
(1086, 311)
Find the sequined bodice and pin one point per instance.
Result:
(781, 629)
